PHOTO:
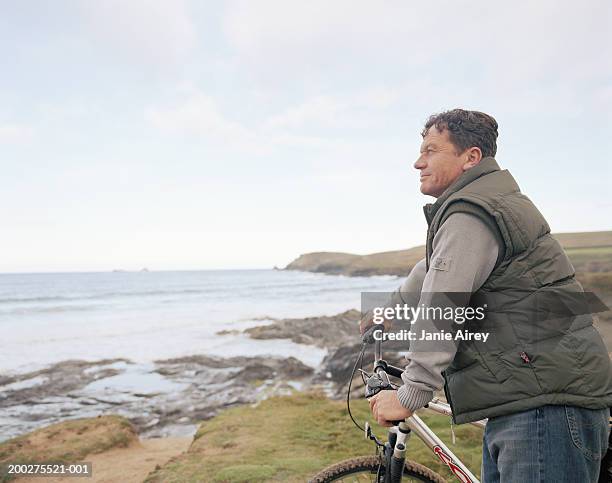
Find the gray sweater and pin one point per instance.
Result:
(464, 255)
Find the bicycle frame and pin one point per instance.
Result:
(437, 446)
(414, 424)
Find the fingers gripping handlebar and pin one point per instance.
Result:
(379, 379)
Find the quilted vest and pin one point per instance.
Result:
(542, 348)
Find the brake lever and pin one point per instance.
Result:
(368, 336)
(363, 372)
(376, 384)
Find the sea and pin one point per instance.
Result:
(150, 315)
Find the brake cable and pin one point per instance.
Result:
(350, 382)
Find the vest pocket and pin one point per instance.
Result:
(494, 364)
(517, 365)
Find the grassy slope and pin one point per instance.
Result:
(585, 239)
(68, 441)
(580, 246)
(398, 262)
(589, 252)
(594, 271)
(291, 438)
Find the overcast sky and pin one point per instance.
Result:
(240, 134)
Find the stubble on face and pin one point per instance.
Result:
(439, 162)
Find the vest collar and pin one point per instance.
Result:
(487, 165)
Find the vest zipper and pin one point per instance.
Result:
(448, 398)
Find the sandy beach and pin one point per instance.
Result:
(127, 465)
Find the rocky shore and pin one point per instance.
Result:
(323, 331)
(339, 335)
(169, 397)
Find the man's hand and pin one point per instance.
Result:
(385, 407)
(368, 321)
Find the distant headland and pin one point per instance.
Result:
(400, 262)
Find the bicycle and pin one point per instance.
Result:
(389, 464)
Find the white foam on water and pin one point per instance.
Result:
(143, 317)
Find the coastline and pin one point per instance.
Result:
(169, 397)
(400, 262)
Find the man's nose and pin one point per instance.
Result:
(419, 163)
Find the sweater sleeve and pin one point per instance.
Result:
(464, 255)
(412, 284)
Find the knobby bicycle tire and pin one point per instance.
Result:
(369, 465)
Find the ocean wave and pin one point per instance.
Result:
(52, 309)
(34, 299)
(281, 289)
(105, 295)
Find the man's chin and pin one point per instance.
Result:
(429, 191)
(425, 189)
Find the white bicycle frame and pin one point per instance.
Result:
(435, 444)
(420, 428)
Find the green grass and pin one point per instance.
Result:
(67, 442)
(290, 438)
(596, 259)
(589, 252)
(584, 239)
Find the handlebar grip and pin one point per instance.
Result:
(394, 371)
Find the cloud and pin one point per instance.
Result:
(548, 57)
(343, 111)
(322, 123)
(517, 41)
(304, 31)
(12, 133)
(290, 134)
(156, 31)
(198, 115)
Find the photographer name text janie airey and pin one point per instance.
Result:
(432, 336)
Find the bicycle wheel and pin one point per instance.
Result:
(364, 468)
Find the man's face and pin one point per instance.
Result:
(439, 163)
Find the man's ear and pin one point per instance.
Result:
(472, 157)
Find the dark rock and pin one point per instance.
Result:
(323, 331)
(196, 388)
(290, 368)
(228, 332)
(58, 379)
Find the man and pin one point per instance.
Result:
(542, 379)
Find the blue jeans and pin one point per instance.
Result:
(547, 444)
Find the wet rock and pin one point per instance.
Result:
(187, 390)
(171, 396)
(58, 379)
(229, 332)
(324, 331)
(259, 371)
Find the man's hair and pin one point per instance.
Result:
(466, 129)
